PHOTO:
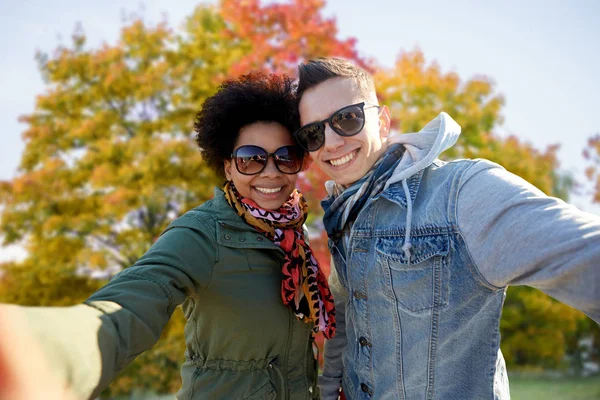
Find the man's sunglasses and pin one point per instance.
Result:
(347, 121)
(252, 160)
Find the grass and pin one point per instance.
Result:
(543, 388)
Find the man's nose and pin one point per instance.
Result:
(332, 139)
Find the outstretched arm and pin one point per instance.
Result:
(25, 373)
(516, 235)
(89, 344)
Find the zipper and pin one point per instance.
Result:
(313, 365)
(280, 377)
(286, 355)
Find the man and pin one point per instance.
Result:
(423, 250)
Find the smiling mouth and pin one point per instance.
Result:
(268, 190)
(338, 162)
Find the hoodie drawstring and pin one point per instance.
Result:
(407, 245)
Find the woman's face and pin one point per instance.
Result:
(269, 188)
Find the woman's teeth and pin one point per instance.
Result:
(342, 160)
(268, 190)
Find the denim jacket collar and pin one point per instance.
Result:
(395, 193)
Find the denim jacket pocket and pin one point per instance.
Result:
(420, 283)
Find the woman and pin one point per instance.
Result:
(252, 292)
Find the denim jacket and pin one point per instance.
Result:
(427, 326)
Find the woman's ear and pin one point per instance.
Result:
(307, 161)
(227, 168)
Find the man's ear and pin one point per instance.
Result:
(227, 165)
(385, 121)
(307, 161)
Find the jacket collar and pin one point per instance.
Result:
(222, 211)
(395, 193)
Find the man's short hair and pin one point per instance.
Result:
(314, 72)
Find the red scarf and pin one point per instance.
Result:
(304, 287)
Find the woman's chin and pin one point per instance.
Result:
(270, 201)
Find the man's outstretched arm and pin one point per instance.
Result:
(516, 235)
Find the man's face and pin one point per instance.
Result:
(345, 159)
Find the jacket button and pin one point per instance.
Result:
(259, 238)
(242, 239)
(272, 363)
(364, 342)
(227, 236)
(366, 389)
(359, 295)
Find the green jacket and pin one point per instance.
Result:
(241, 341)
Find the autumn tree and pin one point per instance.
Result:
(108, 162)
(416, 92)
(280, 35)
(592, 155)
(590, 329)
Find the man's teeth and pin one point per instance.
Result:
(342, 160)
(268, 190)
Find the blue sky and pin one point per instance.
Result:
(544, 56)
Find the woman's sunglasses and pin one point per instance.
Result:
(347, 121)
(252, 160)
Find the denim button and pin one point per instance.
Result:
(259, 238)
(227, 236)
(359, 295)
(366, 389)
(242, 239)
(364, 342)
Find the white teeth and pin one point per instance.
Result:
(268, 190)
(342, 160)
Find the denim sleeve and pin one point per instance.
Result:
(516, 235)
(330, 381)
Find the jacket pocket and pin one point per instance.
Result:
(418, 283)
(265, 392)
(189, 376)
(216, 384)
(264, 260)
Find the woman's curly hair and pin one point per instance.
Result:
(255, 97)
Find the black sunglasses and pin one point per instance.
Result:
(252, 160)
(347, 121)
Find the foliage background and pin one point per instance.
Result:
(109, 160)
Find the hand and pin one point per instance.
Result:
(25, 373)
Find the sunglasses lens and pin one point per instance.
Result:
(348, 121)
(250, 159)
(289, 159)
(311, 137)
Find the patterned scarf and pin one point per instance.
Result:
(343, 205)
(304, 287)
